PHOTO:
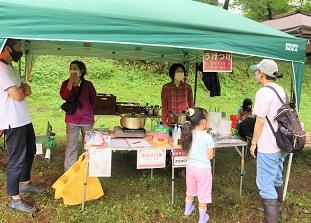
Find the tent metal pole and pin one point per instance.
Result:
(287, 175)
(20, 67)
(195, 83)
(290, 159)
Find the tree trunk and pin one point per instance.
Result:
(226, 4)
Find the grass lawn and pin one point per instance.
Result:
(130, 194)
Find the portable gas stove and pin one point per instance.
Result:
(128, 133)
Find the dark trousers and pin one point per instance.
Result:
(21, 145)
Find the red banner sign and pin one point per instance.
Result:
(217, 61)
(179, 158)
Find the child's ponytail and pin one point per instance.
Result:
(193, 119)
(186, 136)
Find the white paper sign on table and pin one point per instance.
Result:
(118, 143)
(148, 158)
(99, 162)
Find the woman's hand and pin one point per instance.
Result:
(73, 80)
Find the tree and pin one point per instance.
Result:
(262, 10)
(215, 2)
(211, 2)
(226, 4)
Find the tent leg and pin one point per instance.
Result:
(173, 187)
(289, 165)
(85, 182)
(195, 83)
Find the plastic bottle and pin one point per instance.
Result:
(178, 136)
(174, 134)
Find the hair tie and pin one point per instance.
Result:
(190, 112)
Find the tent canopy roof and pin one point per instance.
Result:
(156, 30)
(174, 30)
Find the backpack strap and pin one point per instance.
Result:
(272, 88)
(271, 127)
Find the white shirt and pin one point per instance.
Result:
(12, 113)
(267, 104)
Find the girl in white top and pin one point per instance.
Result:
(199, 146)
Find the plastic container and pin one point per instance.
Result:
(177, 136)
(234, 120)
(224, 127)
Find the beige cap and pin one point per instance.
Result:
(266, 66)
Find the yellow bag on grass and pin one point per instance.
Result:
(70, 185)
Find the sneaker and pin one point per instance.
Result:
(30, 188)
(22, 206)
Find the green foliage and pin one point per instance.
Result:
(142, 82)
(132, 196)
(262, 10)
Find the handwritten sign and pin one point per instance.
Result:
(179, 158)
(214, 61)
(99, 162)
(151, 158)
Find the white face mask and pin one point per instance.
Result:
(77, 72)
(179, 76)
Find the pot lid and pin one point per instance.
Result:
(133, 115)
(180, 114)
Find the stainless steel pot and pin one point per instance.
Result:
(153, 110)
(156, 110)
(179, 118)
(132, 120)
(149, 111)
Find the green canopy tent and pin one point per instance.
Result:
(171, 31)
(155, 30)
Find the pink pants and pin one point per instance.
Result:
(199, 183)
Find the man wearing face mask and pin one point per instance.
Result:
(270, 158)
(176, 96)
(16, 121)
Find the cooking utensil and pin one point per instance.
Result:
(156, 110)
(153, 110)
(179, 118)
(132, 120)
(149, 111)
